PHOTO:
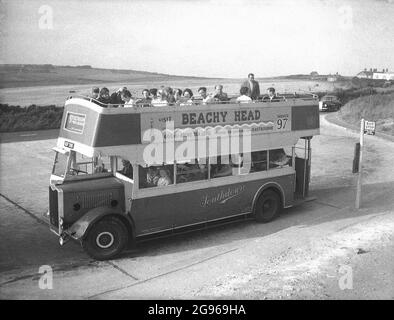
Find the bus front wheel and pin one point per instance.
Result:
(267, 207)
(105, 239)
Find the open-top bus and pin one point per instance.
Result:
(107, 189)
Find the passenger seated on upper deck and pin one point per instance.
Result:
(127, 98)
(219, 95)
(244, 98)
(116, 97)
(164, 179)
(153, 93)
(95, 93)
(187, 98)
(272, 96)
(103, 99)
(161, 100)
(177, 96)
(205, 97)
(146, 100)
(170, 95)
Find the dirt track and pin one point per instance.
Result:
(303, 254)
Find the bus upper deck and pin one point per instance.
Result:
(92, 130)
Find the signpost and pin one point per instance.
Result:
(367, 127)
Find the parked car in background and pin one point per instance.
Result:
(329, 103)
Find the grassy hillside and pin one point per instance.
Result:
(16, 118)
(15, 75)
(378, 107)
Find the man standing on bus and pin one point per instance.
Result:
(253, 87)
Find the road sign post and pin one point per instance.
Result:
(367, 127)
(360, 168)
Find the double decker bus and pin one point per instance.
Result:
(126, 174)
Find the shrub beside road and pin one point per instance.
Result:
(16, 118)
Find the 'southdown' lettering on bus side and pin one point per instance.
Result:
(222, 196)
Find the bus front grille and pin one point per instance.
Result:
(53, 208)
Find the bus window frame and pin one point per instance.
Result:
(66, 153)
(213, 182)
(69, 177)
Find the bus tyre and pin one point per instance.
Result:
(105, 239)
(267, 207)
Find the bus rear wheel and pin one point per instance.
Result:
(105, 239)
(268, 206)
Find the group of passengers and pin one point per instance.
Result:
(165, 96)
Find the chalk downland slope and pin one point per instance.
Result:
(379, 108)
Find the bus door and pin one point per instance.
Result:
(303, 168)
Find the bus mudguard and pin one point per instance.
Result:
(79, 228)
(269, 185)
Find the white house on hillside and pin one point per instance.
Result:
(375, 74)
(383, 75)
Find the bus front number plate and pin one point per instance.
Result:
(69, 144)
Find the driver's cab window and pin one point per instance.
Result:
(83, 165)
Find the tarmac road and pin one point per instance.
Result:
(306, 253)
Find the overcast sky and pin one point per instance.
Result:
(221, 38)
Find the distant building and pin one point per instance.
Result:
(383, 75)
(375, 74)
(365, 74)
(332, 78)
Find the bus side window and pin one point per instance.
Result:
(278, 158)
(193, 171)
(155, 176)
(259, 161)
(222, 168)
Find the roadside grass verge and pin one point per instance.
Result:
(378, 107)
(16, 118)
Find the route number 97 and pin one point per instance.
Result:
(281, 123)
